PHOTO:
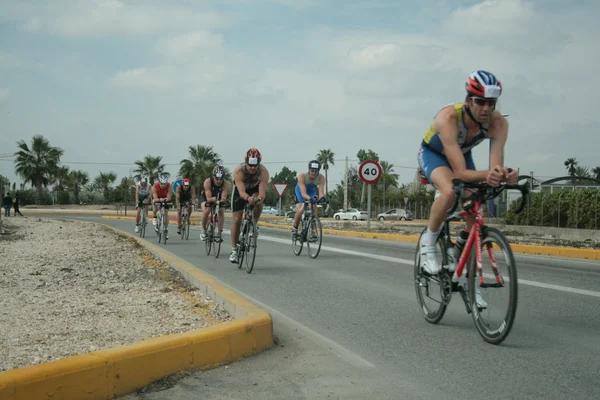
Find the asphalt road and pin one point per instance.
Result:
(349, 327)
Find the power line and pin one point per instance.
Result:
(178, 164)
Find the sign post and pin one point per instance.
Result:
(369, 172)
(280, 189)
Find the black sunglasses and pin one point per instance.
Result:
(480, 101)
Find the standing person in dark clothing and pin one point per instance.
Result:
(16, 205)
(6, 203)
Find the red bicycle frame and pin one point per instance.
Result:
(475, 238)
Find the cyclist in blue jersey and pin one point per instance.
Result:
(306, 189)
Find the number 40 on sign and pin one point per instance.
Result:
(369, 171)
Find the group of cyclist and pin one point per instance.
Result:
(250, 181)
(444, 155)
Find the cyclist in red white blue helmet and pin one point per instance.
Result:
(250, 180)
(445, 154)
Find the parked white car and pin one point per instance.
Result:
(398, 214)
(351, 213)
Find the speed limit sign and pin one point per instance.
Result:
(369, 171)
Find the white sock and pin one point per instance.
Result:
(429, 238)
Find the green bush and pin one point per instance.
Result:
(577, 209)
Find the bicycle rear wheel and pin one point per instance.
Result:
(432, 291)
(504, 276)
(217, 238)
(314, 236)
(250, 246)
(209, 237)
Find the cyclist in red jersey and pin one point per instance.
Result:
(161, 192)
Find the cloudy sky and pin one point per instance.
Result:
(110, 81)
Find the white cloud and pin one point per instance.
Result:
(4, 93)
(193, 43)
(150, 78)
(8, 60)
(539, 158)
(110, 17)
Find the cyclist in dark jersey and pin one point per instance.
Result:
(185, 194)
(250, 181)
(215, 189)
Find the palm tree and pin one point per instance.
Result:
(61, 182)
(570, 165)
(200, 164)
(596, 172)
(151, 167)
(77, 179)
(325, 157)
(104, 182)
(37, 164)
(388, 176)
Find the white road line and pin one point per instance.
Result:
(396, 260)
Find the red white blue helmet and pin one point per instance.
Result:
(483, 84)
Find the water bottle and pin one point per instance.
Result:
(452, 254)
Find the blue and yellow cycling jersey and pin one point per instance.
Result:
(432, 140)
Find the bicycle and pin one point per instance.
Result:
(213, 221)
(480, 235)
(185, 221)
(143, 218)
(311, 225)
(162, 223)
(247, 240)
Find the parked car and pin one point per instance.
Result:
(351, 213)
(396, 214)
(270, 210)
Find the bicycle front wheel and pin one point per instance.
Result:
(217, 238)
(297, 242)
(314, 237)
(242, 243)
(159, 229)
(250, 246)
(431, 290)
(210, 229)
(187, 227)
(495, 306)
(143, 225)
(165, 226)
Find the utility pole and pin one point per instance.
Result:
(346, 184)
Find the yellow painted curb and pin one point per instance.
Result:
(567, 252)
(106, 374)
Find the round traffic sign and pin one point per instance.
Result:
(370, 171)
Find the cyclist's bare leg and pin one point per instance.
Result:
(441, 178)
(179, 217)
(205, 214)
(298, 216)
(190, 209)
(138, 214)
(257, 211)
(235, 227)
